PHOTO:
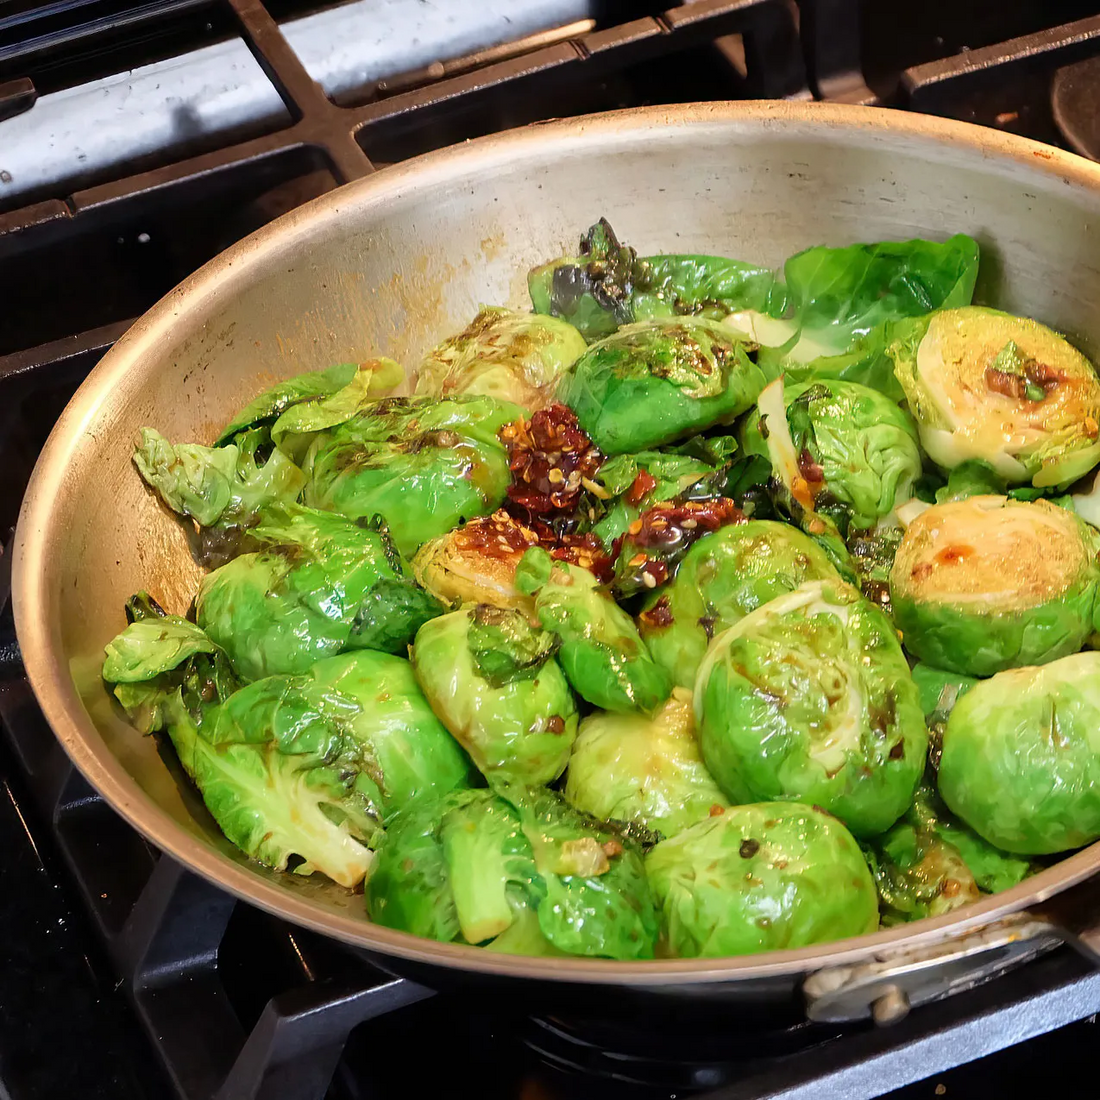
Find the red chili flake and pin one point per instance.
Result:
(659, 615)
(496, 536)
(550, 457)
(612, 848)
(642, 485)
(716, 810)
(555, 724)
(585, 550)
(811, 471)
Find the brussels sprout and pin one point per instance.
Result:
(511, 356)
(472, 866)
(492, 679)
(228, 486)
(309, 402)
(758, 878)
(162, 665)
(722, 578)
(657, 381)
(607, 285)
(984, 584)
(843, 299)
(643, 771)
(638, 482)
(601, 652)
(1007, 390)
(323, 584)
(809, 698)
(1021, 757)
(938, 690)
(476, 563)
(424, 465)
(842, 440)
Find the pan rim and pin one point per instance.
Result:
(51, 679)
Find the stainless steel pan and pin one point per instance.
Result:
(392, 263)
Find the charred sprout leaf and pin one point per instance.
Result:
(637, 482)
(643, 771)
(602, 654)
(918, 874)
(505, 647)
(424, 465)
(872, 554)
(607, 285)
(1002, 389)
(722, 578)
(809, 698)
(226, 485)
(984, 584)
(161, 665)
(322, 583)
(512, 710)
(846, 440)
(390, 614)
(1021, 759)
(714, 450)
(502, 353)
(658, 381)
(843, 299)
(767, 877)
(656, 542)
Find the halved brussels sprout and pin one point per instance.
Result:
(425, 466)
(987, 385)
(843, 441)
(767, 877)
(476, 867)
(476, 563)
(809, 698)
(987, 583)
(502, 353)
(722, 578)
(644, 771)
(657, 381)
(602, 654)
(492, 679)
(1021, 757)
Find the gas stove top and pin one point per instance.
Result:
(137, 140)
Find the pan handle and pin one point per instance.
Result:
(884, 990)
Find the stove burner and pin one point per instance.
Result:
(679, 1053)
(1075, 106)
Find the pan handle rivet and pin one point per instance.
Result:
(891, 1007)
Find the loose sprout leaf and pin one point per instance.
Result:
(273, 402)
